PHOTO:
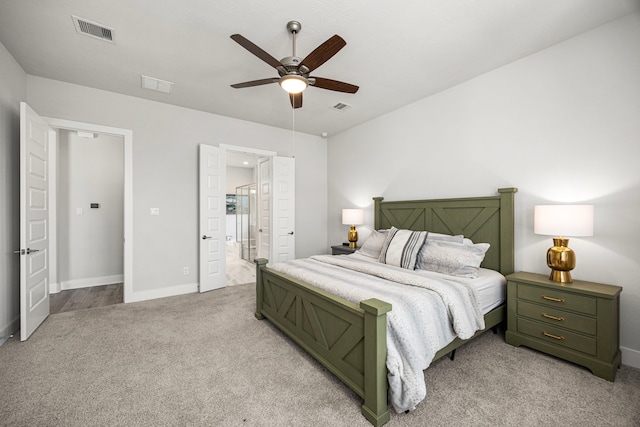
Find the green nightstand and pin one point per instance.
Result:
(342, 250)
(577, 321)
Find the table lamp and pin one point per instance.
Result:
(352, 217)
(561, 221)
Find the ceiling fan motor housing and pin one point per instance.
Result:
(291, 65)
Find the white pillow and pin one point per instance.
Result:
(446, 237)
(452, 258)
(373, 244)
(401, 247)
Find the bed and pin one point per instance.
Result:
(349, 339)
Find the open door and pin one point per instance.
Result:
(212, 188)
(283, 242)
(276, 191)
(264, 206)
(35, 134)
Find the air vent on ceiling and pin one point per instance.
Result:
(156, 84)
(341, 106)
(93, 29)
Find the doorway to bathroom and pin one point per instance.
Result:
(241, 217)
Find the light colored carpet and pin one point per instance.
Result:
(205, 360)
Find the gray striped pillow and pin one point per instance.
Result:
(401, 247)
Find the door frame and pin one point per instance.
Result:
(247, 150)
(127, 136)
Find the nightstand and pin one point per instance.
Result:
(577, 321)
(342, 250)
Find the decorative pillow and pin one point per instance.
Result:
(445, 237)
(401, 247)
(452, 258)
(373, 244)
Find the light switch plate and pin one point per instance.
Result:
(154, 211)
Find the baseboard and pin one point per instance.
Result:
(187, 288)
(11, 328)
(630, 357)
(90, 281)
(54, 288)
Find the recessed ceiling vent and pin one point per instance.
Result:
(341, 106)
(93, 29)
(156, 84)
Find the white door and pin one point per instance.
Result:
(283, 246)
(264, 206)
(34, 220)
(212, 227)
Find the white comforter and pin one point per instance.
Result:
(425, 316)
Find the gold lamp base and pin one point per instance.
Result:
(352, 236)
(561, 260)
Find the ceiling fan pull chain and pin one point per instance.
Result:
(293, 132)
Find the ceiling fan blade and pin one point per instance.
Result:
(323, 53)
(255, 83)
(296, 99)
(256, 50)
(329, 84)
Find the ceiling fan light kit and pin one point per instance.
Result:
(293, 83)
(294, 71)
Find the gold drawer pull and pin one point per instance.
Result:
(548, 316)
(557, 337)
(553, 299)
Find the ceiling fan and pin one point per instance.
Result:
(293, 70)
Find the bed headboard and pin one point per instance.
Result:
(481, 219)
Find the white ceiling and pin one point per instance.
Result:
(397, 52)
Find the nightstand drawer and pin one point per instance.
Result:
(557, 298)
(556, 317)
(558, 336)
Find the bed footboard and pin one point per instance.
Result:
(349, 340)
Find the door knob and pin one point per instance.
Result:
(291, 233)
(205, 237)
(26, 251)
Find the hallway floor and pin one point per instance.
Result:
(78, 299)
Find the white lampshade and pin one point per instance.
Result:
(293, 83)
(563, 220)
(352, 216)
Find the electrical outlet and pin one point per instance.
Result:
(185, 271)
(154, 211)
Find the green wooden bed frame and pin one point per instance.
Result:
(350, 339)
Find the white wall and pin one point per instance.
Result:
(237, 177)
(90, 241)
(13, 89)
(562, 125)
(165, 173)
